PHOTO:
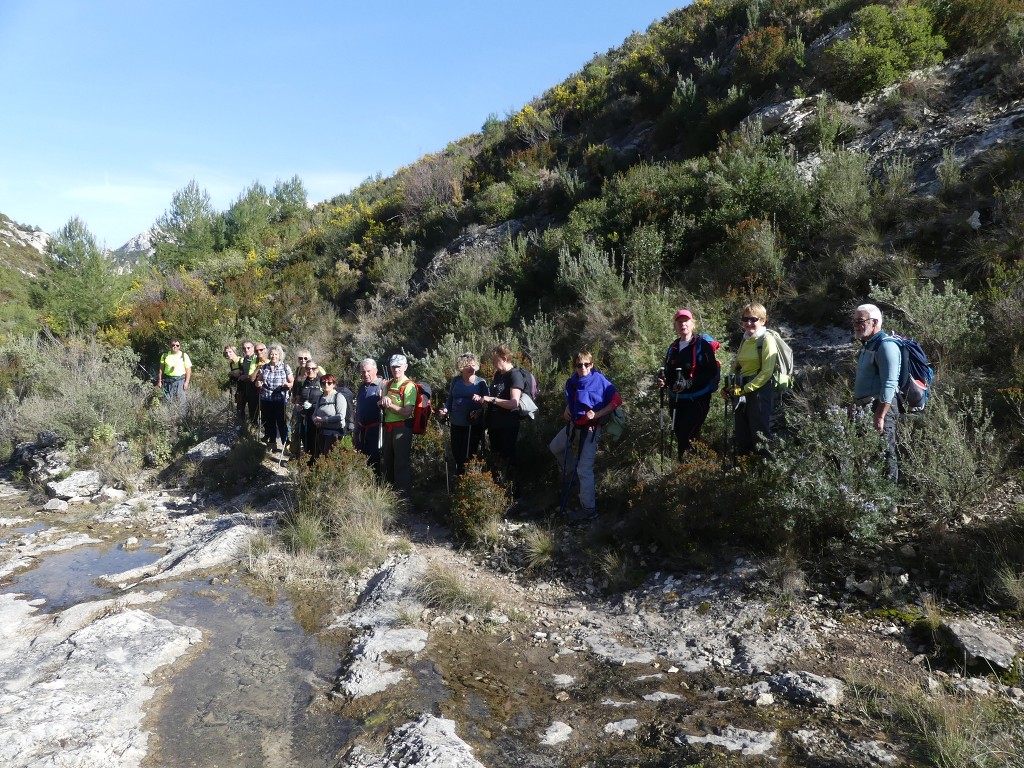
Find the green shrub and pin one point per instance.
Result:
(540, 335)
(886, 44)
(825, 484)
(899, 181)
(342, 506)
(831, 125)
(589, 276)
(480, 311)
(842, 187)
(495, 203)
(951, 455)
(750, 259)
(693, 504)
(647, 334)
(587, 223)
(430, 458)
(478, 504)
(643, 252)
(391, 272)
(752, 176)
(760, 54)
(72, 387)
(974, 23)
(321, 490)
(945, 322)
(304, 533)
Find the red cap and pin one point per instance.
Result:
(684, 313)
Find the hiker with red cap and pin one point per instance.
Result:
(690, 374)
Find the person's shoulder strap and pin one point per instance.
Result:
(673, 347)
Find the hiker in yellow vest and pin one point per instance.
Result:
(254, 356)
(175, 372)
(397, 403)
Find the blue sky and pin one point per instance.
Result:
(112, 105)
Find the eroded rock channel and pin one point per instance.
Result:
(130, 635)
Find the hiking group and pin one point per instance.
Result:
(891, 378)
(382, 416)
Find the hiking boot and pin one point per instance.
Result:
(581, 514)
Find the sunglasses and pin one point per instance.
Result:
(175, 345)
(750, 319)
(864, 321)
(301, 357)
(584, 365)
(261, 349)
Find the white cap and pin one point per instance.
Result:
(397, 360)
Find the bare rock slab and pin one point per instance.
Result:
(428, 741)
(808, 688)
(556, 733)
(981, 645)
(216, 447)
(738, 740)
(77, 484)
(75, 684)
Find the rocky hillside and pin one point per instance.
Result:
(22, 259)
(21, 248)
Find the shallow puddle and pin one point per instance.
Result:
(15, 532)
(256, 695)
(64, 579)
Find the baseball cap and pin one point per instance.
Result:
(397, 360)
(684, 313)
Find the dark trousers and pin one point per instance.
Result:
(323, 444)
(251, 397)
(274, 423)
(465, 444)
(755, 420)
(367, 442)
(892, 465)
(502, 440)
(687, 419)
(396, 456)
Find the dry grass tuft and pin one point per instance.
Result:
(444, 590)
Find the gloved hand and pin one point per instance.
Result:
(736, 391)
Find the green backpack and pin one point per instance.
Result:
(614, 424)
(783, 375)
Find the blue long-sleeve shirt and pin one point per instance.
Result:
(878, 369)
(460, 399)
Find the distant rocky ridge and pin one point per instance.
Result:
(21, 247)
(24, 248)
(140, 247)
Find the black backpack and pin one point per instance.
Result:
(350, 409)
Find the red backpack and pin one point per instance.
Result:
(423, 409)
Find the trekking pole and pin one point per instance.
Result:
(679, 376)
(447, 445)
(725, 434)
(661, 416)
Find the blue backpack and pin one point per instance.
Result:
(916, 374)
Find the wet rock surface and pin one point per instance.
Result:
(75, 684)
(703, 663)
(428, 741)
